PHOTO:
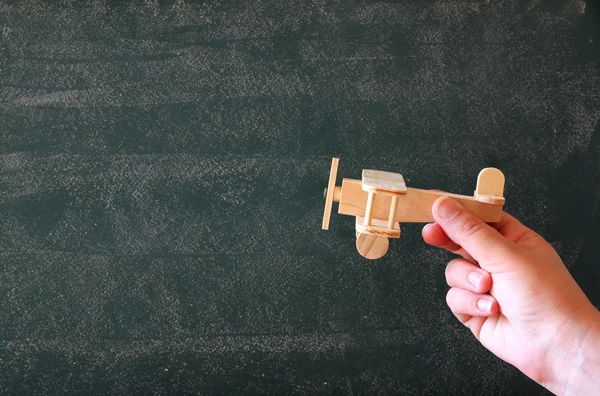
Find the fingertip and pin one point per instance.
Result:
(467, 275)
(462, 301)
(425, 229)
(465, 229)
(434, 235)
(434, 207)
(487, 306)
(485, 283)
(445, 208)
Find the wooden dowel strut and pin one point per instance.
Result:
(392, 216)
(368, 208)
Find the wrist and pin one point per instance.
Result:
(574, 359)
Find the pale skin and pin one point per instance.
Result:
(512, 290)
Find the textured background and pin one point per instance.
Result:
(161, 172)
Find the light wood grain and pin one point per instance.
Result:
(413, 206)
(372, 247)
(490, 186)
(330, 193)
(337, 193)
(393, 209)
(368, 208)
(378, 227)
(489, 199)
(385, 183)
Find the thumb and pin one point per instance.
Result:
(482, 242)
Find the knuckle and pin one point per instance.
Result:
(529, 240)
(455, 249)
(471, 226)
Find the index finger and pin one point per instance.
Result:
(434, 235)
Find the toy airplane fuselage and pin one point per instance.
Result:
(381, 201)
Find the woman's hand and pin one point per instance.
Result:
(512, 290)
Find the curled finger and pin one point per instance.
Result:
(434, 235)
(466, 275)
(466, 302)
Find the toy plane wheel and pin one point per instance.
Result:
(329, 193)
(371, 246)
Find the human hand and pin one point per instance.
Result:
(512, 290)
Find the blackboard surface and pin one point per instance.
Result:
(161, 174)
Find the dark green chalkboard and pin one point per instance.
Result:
(161, 173)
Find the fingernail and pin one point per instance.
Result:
(447, 208)
(474, 278)
(426, 227)
(484, 304)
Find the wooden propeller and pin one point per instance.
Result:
(330, 192)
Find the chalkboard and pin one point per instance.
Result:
(161, 173)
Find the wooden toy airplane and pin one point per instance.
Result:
(381, 201)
